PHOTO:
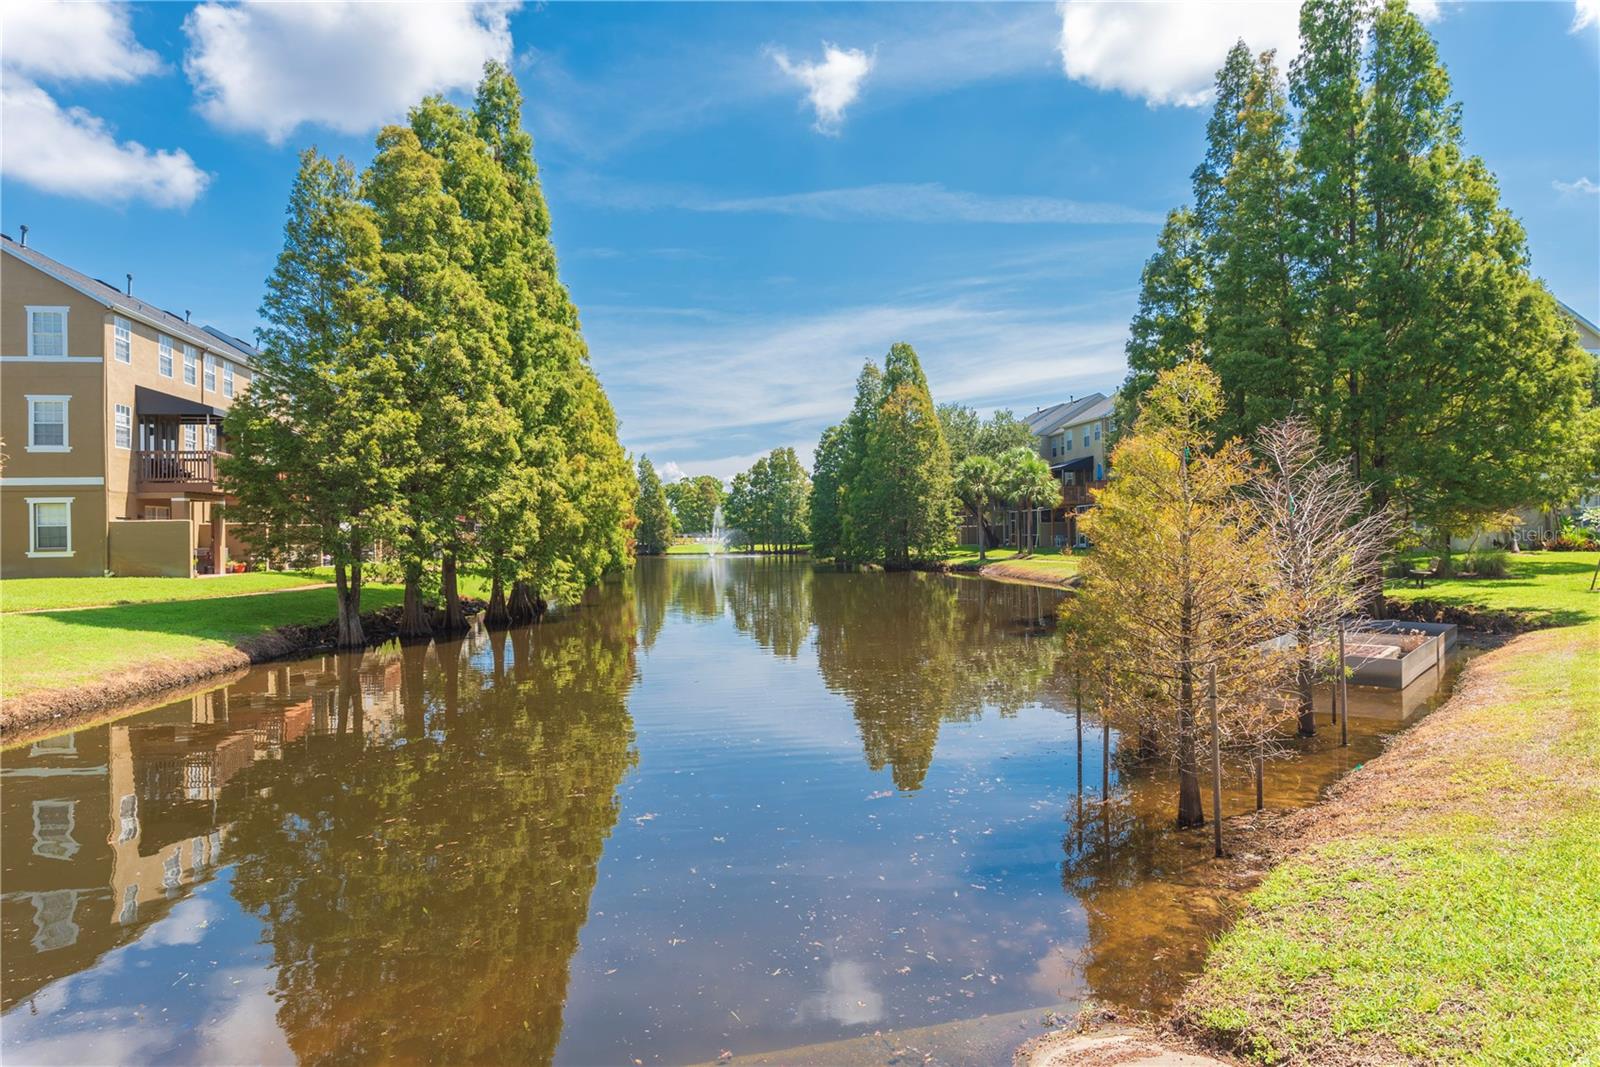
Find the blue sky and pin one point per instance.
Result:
(748, 200)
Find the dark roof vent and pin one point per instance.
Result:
(24, 230)
(185, 314)
(130, 285)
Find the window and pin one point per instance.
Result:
(191, 437)
(47, 332)
(211, 436)
(164, 364)
(123, 425)
(47, 424)
(191, 360)
(211, 371)
(52, 829)
(158, 511)
(130, 905)
(1067, 445)
(50, 526)
(1086, 437)
(122, 347)
(53, 922)
(1097, 431)
(227, 378)
(60, 745)
(127, 818)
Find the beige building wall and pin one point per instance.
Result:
(160, 548)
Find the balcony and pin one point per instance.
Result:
(189, 470)
(1077, 494)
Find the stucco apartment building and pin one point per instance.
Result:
(109, 415)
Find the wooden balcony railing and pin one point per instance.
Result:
(190, 468)
(1078, 493)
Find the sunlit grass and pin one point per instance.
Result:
(1549, 588)
(1053, 562)
(31, 594)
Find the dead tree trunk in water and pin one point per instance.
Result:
(414, 622)
(1305, 674)
(1216, 765)
(348, 587)
(455, 619)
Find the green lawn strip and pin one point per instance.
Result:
(1050, 561)
(692, 548)
(1552, 588)
(1466, 931)
(32, 594)
(56, 650)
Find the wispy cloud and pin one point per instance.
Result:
(1585, 13)
(832, 84)
(889, 202)
(1582, 187)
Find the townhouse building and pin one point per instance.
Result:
(1073, 438)
(110, 417)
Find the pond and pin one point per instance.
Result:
(727, 805)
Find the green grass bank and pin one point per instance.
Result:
(1545, 588)
(1444, 904)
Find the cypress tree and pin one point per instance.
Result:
(904, 496)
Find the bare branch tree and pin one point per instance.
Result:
(1326, 551)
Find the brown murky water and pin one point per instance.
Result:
(729, 805)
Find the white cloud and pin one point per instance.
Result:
(930, 202)
(268, 68)
(1583, 186)
(671, 472)
(831, 85)
(1168, 52)
(69, 152)
(1585, 13)
(49, 40)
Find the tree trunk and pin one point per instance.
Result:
(521, 606)
(1305, 674)
(413, 682)
(539, 607)
(1191, 812)
(348, 586)
(497, 616)
(982, 540)
(455, 618)
(414, 622)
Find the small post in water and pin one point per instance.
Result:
(1105, 741)
(1344, 695)
(1216, 765)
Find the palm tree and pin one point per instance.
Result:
(1027, 480)
(978, 483)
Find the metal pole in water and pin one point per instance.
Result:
(1344, 695)
(1216, 766)
(1105, 741)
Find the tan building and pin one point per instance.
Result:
(110, 412)
(1074, 439)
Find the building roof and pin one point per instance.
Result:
(1048, 420)
(109, 295)
(1588, 332)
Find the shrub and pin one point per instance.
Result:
(1569, 542)
(1486, 563)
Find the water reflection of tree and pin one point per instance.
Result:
(914, 650)
(771, 601)
(424, 899)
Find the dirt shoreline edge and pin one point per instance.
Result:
(50, 711)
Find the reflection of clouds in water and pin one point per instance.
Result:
(249, 1022)
(848, 999)
(185, 924)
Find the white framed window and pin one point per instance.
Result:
(130, 905)
(122, 344)
(53, 821)
(47, 332)
(1097, 431)
(191, 364)
(53, 922)
(164, 363)
(227, 378)
(191, 437)
(158, 511)
(211, 436)
(127, 818)
(59, 745)
(50, 526)
(122, 425)
(47, 423)
(211, 372)
(1086, 437)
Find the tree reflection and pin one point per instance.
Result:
(424, 898)
(913, 650)
(771, 601)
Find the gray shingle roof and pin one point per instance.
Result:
(112, 297)
(1051, 419)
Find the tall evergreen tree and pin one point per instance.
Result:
(654, 533)
(902, 499)
(319, 439)
(827, 493)
(858, 541)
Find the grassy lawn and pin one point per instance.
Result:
(1052, 562)
(30, 594)
(691, 548)
(1451, 911)
(56, 650)
(1550, 587)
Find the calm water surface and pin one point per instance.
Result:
(729, 805)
